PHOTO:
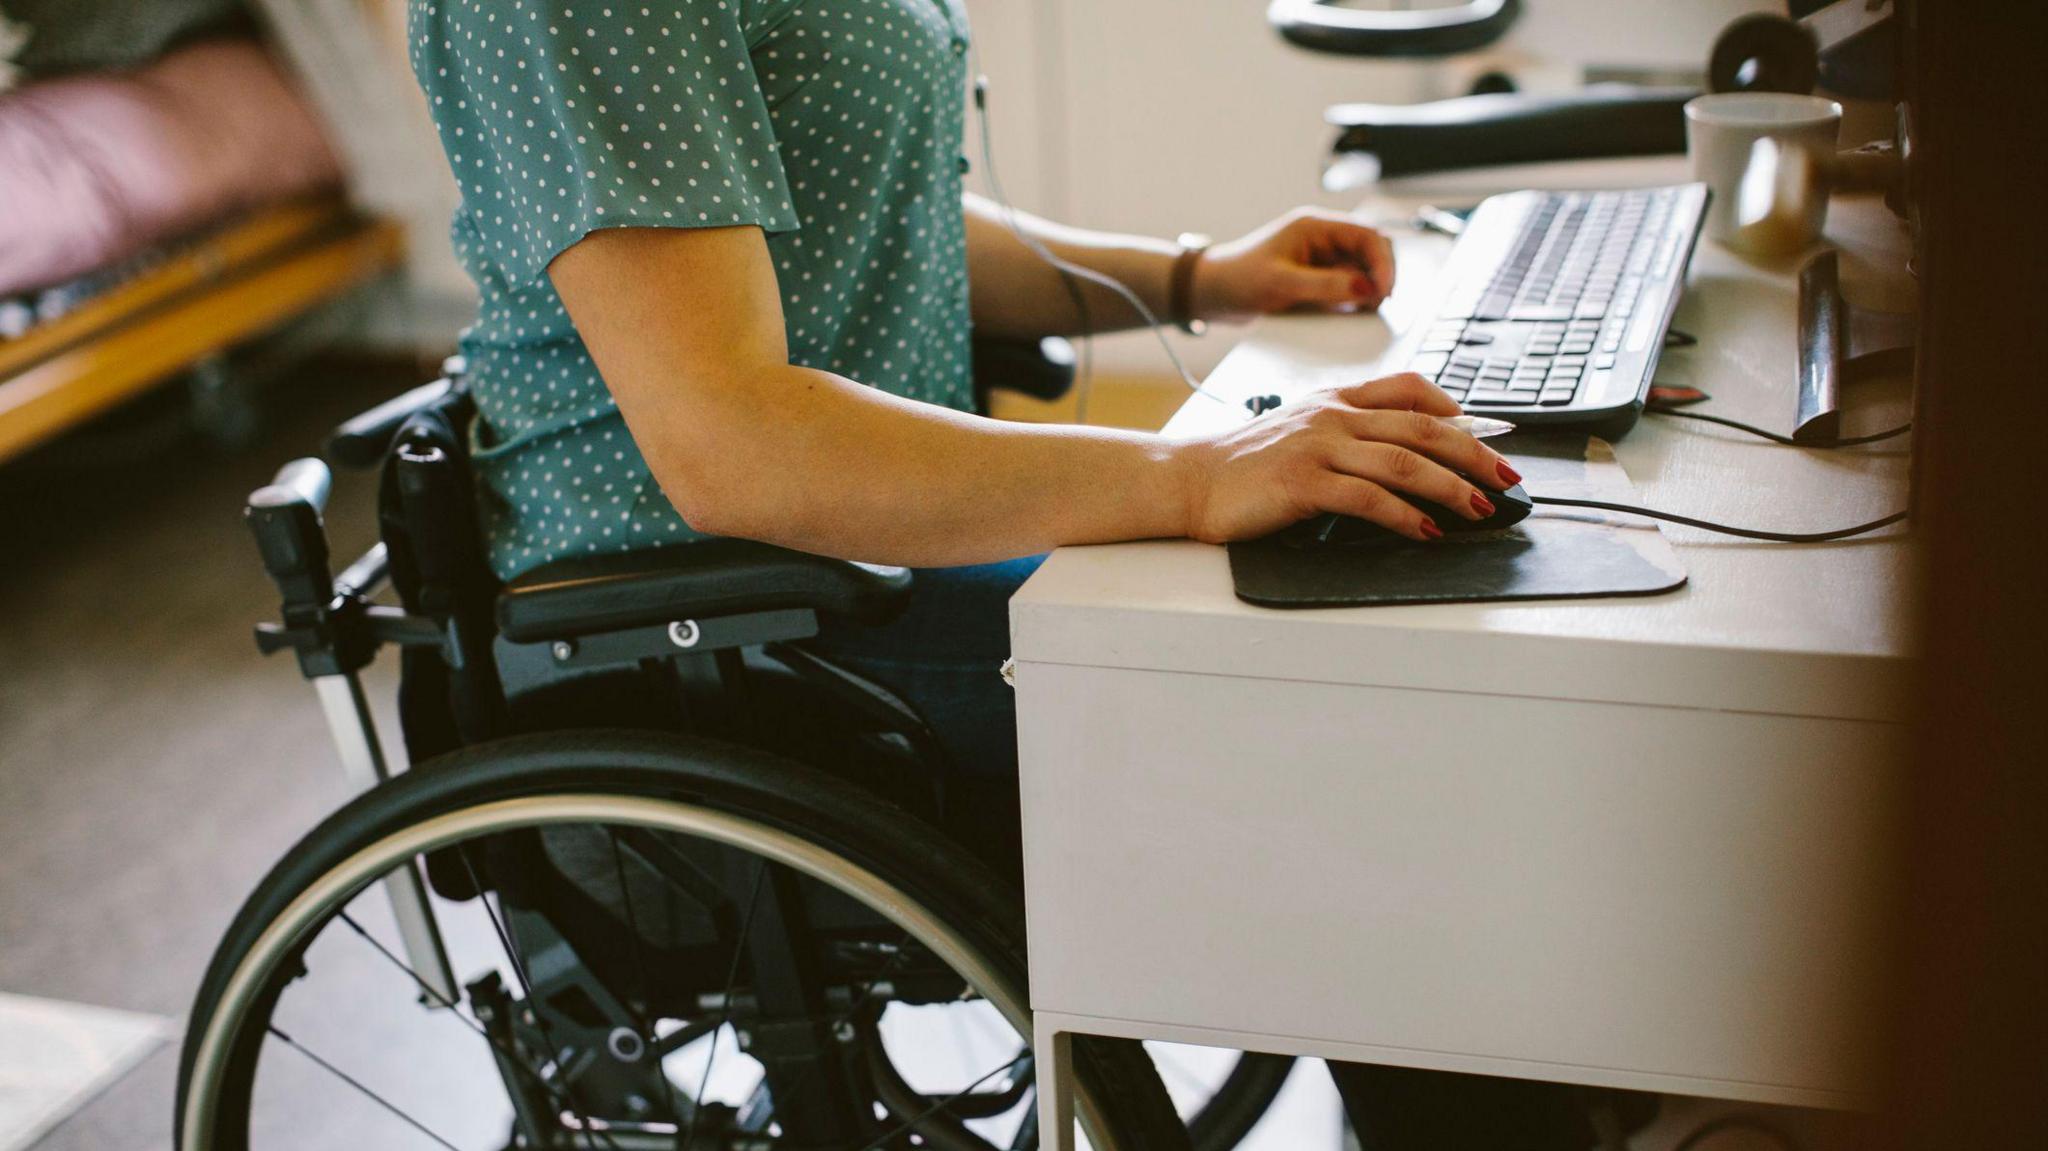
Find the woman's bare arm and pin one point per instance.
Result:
(1017, 293)
(1308, 258)
(686, 327)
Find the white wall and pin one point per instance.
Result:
(1163, 116)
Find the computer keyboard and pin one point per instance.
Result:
(1555, 304)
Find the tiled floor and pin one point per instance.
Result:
(55, 1056)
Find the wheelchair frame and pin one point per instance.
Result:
(335, 629)
(559, 625)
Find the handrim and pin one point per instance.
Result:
(334, 889)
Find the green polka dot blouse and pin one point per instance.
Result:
(833, 125)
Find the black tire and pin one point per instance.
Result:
(1241, 1100)
(809, 805)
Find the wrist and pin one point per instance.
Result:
(1185, 283)
(1187, 471)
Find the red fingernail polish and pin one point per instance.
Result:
(1508, 474)
(1361, 287)
(1482, 505)
(1430, 529)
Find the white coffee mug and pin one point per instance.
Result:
(1721, 134)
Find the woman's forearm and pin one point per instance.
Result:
(1017, 293)
(687, 329)
(847, 471)
(745, 443)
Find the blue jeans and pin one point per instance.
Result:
(944, 655)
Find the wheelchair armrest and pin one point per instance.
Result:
(573, 598)
(1040, 368)
(1324, 27)
(1514, 128)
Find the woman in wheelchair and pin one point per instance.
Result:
(710, 837)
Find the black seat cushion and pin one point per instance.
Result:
(708, 578)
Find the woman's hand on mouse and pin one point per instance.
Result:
(1309, 258)
(1346, 451)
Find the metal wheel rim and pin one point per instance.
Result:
(334, 889)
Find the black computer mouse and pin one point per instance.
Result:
(1509, 508)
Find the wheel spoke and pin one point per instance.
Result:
(1026, 1138)
(589, 1131)
(732, 977)
(360, 1086)
(896, 963)
(676, 869)
(640, 1017)
(455, 1011)
(911, 1123)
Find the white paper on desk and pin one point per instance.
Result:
(1597, 475)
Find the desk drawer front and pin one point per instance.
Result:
(1679, 893)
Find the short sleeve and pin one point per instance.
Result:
(562, 120)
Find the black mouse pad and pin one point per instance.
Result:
(1557, 553)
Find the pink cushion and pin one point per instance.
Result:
(101, 167)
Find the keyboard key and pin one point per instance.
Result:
(1429, 364)
(1548, 320)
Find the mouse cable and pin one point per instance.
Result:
(1066, 267)
(1084, 375)
(1724, 529)
(1774, 437)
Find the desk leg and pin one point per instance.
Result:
(1053, 1062)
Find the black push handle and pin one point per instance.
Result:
(306, 480)
(285, 519)
(1324, 27)
(363, 441)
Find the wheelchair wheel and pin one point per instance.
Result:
(663, 942)
(1231, 1107)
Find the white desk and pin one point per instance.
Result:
(1635, 843)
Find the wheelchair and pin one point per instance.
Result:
(658, 876)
